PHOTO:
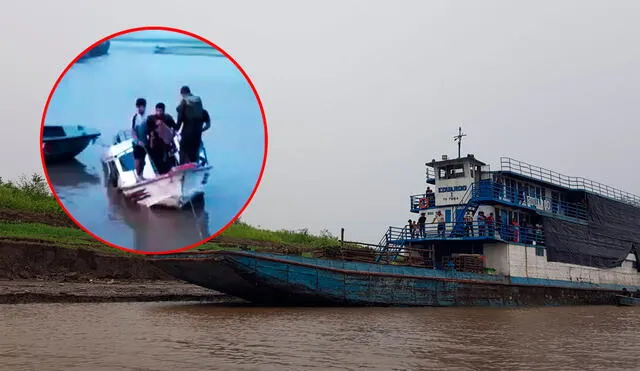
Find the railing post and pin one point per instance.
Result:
(341, 237)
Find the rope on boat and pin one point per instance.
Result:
(193, 210)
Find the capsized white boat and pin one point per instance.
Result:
(174, 189)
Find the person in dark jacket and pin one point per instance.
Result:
(192, 120)
(161, 130)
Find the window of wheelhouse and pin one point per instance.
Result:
(451, 171)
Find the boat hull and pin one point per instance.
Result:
(58, 148)
(206, 269)
(97, 51)
(628, 301)
(293, 280)
(174, 190)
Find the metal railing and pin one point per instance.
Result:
(414, 201)
(471, 230)
(577, 183)
(489, 190)
(430, 174)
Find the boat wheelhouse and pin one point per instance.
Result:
(174, 189)
(521, 221)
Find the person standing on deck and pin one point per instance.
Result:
(439, 218)
(139, 135)
(481, 224)
(430, 196)
(491, 225)
(421, 225)
(161, 129)
(516, 230)
(192, 121)
(468, 224)
(411, 228)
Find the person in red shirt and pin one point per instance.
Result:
(491, 225)
(516, 230)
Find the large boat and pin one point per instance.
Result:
(97, 51)
(63, 143)
(174, 189)
(520, 235)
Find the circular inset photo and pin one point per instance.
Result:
(153, 140)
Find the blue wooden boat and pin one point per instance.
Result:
(628, 301)
(517, 236)
(63, 143)
(206, 269)
(273, 279)
(97, 51)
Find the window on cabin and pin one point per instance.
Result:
(451, 172)
(539, 251)
(456, 171)
(127, 162)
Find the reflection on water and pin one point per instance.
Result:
(71, 174)
(214, 337)
(159, 227)
(100, 93)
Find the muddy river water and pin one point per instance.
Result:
(175, 336)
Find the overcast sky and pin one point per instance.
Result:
(360, 94)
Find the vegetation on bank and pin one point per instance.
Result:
(28, 194)
(31, 194)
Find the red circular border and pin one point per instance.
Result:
(170, 29)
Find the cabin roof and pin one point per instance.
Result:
(451, 161)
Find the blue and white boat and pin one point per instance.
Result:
(174, 189)
(519, 235)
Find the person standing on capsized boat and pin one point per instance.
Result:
(161, 131)
(139, 135)
(192, 121)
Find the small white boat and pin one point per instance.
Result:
(174, 189)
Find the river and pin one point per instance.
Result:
(175, 336)
(101, 93)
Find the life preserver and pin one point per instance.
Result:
(424, 203)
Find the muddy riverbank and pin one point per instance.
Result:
(33, 270)
(101, 291)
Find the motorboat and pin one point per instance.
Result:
(628, 301)
(97, 51)
(63, 143)
(175, 189)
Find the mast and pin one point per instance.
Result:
(458, 138)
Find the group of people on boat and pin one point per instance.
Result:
(486, 227)
(154, 134)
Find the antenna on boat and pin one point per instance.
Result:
(458, 138)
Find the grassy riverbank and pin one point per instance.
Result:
(29, 212)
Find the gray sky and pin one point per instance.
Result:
(359, 94)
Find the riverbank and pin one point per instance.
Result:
(44, 257)
(102, 291)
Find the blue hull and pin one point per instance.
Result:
(97, 51)
(272, 279)
(63, 143)
(627, 301)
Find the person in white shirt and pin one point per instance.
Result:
(139, 134)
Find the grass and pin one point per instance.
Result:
(32, 194)
(28, 194)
